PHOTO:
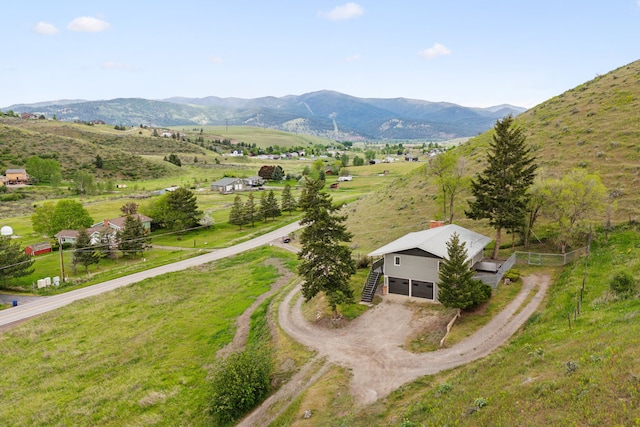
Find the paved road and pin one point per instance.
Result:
(21, 312)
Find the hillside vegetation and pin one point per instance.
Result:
(596, 127)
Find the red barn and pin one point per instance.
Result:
(38, 248)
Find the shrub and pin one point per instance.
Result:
(363, 262)
(623, 284)
(239, 383)
(512, 275)
(481, 292)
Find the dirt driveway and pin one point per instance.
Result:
(371, 345)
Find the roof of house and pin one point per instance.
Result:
(119, 222)
(67, 233)
(16, 171)
(225, 181)
(39, 246)
(434, 241)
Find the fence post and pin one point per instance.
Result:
(569, 317)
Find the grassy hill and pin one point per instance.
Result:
(595, 126)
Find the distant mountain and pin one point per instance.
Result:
(324, 113)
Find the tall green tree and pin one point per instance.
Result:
(287, 200)
(44, 170)
(457, 288)
(175, 210)
(278, 173)
(573, 203)
(450, 174)
(325, 261)
(263, 209)
(84, 253)
(249, 211)
(132, 238)
(273, 209)
(84, 183)
(501, 190)
(13, 261)
(51, 218)
(236, 216)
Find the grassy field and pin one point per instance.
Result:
(134, 356)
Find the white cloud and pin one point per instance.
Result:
(341, 13)
(87, 24)
(354, 58)
(45, 28)
(216, 60)
(110, 65)
(436, 50)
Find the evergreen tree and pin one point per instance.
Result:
(264, 207)
(13, 261)
(325, 262)
(501, 190)
(84, 253)
(133, 239)
(278, 173)
(287, 201)
(99, 162)
(273, 210)
(236, 216)
(457, 287)
(250, 210)
(182, 209)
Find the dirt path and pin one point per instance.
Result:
(371, 345)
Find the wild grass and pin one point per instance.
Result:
(134, 356)
(549, 374)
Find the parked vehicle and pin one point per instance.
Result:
(345, 178)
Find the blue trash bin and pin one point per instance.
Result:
(15, 302)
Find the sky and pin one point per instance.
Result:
(471, 53)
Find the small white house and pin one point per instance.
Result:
(228, 185)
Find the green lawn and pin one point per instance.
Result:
(135, 356)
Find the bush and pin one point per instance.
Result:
(481, 292)
(363, 262)
(623, 284)
(512, 275)
(239, 383)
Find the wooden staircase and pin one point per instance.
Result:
(371, 284)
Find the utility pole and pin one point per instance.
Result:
(61, 261)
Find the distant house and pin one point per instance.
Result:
(38, 248)
(254, 181)
(411, 263)
(16, 176)
(97, 230)
(228, 185)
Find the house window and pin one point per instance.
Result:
(396, 260)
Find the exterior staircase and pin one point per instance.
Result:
(371, 285)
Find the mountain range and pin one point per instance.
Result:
(323, 113)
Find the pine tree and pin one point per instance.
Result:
(457, 288)
(132, 238)
(287, 201)
(264, 207)
(325, 262)
(278, 174)
(84, 253)
(501, 190)
(236, 216)
(250, 210)
(182, 209)
(13, 261)
(273, 210)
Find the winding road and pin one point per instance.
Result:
(43, 305)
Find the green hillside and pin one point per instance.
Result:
(595, 126)
(76, 148)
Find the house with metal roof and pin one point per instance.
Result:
(228, 185)
(410, 265)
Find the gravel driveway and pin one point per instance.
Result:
(371, 345)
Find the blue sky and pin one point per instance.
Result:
(470, 53)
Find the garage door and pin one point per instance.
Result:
(422, 289)
(398, 286)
